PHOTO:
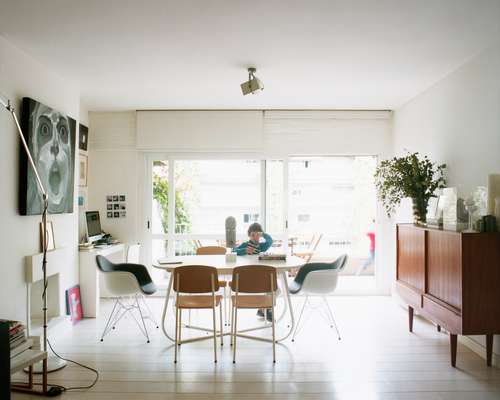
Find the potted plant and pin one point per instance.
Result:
(409, 176)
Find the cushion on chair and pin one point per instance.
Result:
(253, 301)
(295, 286)
(197, 301)
(139, 271)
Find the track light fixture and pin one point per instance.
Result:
(253, 85)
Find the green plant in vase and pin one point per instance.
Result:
(409, 176)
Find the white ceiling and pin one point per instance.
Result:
(356, 54)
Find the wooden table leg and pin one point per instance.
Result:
(30, 376)
(410, 318)
(44, 376)
(453, 349)
(489, 349)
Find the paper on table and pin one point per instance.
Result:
(167, 261)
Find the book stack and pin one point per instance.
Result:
(272, 257)
(17, 336)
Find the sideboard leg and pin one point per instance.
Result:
(453, 349)
(410, 318)
(489, 348)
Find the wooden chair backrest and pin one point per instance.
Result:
(195, 279)
(254, 279)
(210, 250)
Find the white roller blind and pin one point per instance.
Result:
(327, 132)
(200, 130)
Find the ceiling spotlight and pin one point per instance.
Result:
(253, 85)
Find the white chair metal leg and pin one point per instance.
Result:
(300, 318)
(150, 314)
(142, 318)
(331, 316)
(111, 316)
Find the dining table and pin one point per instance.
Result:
(225, 266)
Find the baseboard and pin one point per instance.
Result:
(479, 349)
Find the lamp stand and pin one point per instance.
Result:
(42, 366)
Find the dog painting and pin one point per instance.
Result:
(50, 136)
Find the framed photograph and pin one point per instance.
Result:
(74, 304)
(115, 198)
(84, 137)
(122, 197)
(109, 207)
(50, 236)
(109, 198)
(122, 206)
(116, 206)
(109, 214)
(123, 214)
(44, 129)
(83, 170)
(116, 214)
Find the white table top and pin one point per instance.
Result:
(219, 261)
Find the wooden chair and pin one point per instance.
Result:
(216, 250)
(196, 281)
(309, 253)
(210, 250)
(258, 283)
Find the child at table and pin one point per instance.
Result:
(254, 245)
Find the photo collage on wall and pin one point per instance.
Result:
(116, 206)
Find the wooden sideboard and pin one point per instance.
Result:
(452, 279)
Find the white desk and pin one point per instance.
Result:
(89, 275)
(223, 267)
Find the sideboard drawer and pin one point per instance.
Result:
(409, 294)
(447, 317)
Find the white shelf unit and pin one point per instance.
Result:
(25, 359)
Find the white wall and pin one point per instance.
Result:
(116, 160)
(457, 121)
(114, 168)
(21, 76)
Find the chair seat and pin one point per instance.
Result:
(202, 301)
(253, 301)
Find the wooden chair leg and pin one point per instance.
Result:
(215, 333)
(221, 327)
(235, 331)
(179, 341)
(453, 349)
(176, 333)
(274, 335)
(232, 325)
(410, 318)
(489, 349)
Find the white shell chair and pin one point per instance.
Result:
(133, 257)
(128, 283)
(317, 279)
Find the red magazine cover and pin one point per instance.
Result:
(74, 304)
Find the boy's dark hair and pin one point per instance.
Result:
(255, 227)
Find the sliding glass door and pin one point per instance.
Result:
(332, 208)
(313, 206)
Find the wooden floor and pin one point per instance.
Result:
(376, 359)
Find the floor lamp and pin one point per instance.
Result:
(53, 363)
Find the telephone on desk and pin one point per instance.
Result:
(106, 240)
